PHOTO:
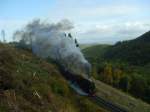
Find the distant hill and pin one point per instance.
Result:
(95, 53)
(135, 52)
(84, 46)
(126, 63)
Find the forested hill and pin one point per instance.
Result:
(124, 65)
(135, 52)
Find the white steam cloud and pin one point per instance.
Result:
(49, 40)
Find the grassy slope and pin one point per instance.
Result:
(83, 46)
(91, 51)
(95, 52)
(30, 84)
(120, 98)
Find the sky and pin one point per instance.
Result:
(95, 21)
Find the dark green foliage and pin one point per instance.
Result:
(134, 52)
(6, 80)
(58, 88)
(138, 86)
(95, 53)
(129, 65)
(6, 76)
(124, 83)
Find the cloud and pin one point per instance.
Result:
(131, 29)
(109, 10)
(111, 33)
(87, 10)
(96, 33)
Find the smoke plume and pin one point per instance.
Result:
(50, 40)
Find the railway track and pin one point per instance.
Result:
(108, 105)
(100, 101)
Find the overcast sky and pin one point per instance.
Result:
(95, 21)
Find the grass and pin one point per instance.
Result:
(120, 98)
(30, 84)
(83, 46)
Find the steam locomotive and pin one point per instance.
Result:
(85, 84)
(73, 65)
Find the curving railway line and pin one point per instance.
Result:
(87, 88)
(108, 105)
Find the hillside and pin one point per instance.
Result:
(124, 65)
(95, 53)
(134, 52)
(83, 46)
(30, 84)
(119, 98)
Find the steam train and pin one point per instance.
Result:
(85, 85)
